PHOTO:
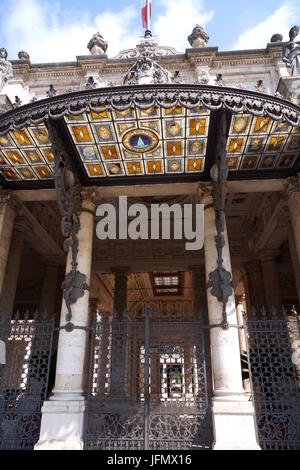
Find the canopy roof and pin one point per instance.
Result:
(150, 133)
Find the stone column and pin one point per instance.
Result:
(240, 310)
(119, 336)
(292, 196)
(9, 205)
(295, 262)
(255, 283)
(8, 294)
(233, 414)
(49, 290)
(271, 279)
(200, 305)
(63, 414)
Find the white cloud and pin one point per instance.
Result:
(49, 35)
(179, 18)
(280, 22)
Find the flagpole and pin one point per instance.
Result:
(148, 16)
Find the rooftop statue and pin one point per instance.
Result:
(198, 38)
(23, 55)
(6, 70)
(291, 52)
(97, 45)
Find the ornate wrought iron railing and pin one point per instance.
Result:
(273, 343)
(148, 385)
(24, 379)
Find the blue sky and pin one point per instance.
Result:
(56, 30)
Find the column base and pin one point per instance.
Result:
(62, 425)
(234, 425)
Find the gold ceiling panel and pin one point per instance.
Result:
(26, 155)
(259, 143)
(135, 142)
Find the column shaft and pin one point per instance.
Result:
(49, 289)
(63, 415)
(7, 219)
(9, 288)
(233, 414)
(294, 208)
(225, 348)
(271, 279)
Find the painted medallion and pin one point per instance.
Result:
(140, 140)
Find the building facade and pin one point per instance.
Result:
(137, 342)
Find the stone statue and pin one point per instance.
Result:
(97, 45)
(291, 52)
(276, 38)
(6, 70)
(145, 71)
(198, 38)
(23, 55)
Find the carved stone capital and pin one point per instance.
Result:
(91, 195)
(292, 186)
(8, 197)
(205, 193)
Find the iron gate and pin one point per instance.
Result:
(24, 380)
(274, 352)
(147, 383)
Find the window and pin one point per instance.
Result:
(167, 283)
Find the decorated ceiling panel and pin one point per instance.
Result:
(162, 130)
(260, 143)
(26, 155)
(141, 141)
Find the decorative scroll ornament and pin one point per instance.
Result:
(198, 38)
(6, 70)
(97, 45)
(145, 72)
(291, 52)
(220, 280)
(69, 200)
(147, 48)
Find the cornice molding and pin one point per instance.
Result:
(146, 96)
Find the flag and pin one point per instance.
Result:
(144, 12)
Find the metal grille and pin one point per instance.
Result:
(274, 353)
(24, 380)
(147, 385)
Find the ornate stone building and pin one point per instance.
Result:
(131, 344)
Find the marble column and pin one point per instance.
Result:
(49, 290)
(271, 279)
(9, 205)
(9, 288)
(63, 415)
(233, 414)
